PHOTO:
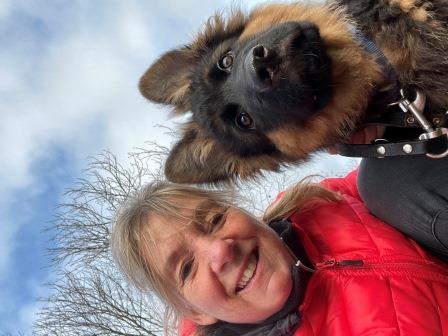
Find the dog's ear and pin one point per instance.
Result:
(198, 158)
(168, 81)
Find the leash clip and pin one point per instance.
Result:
(417, 107)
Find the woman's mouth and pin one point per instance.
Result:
(248, 273)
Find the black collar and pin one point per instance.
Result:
(405, 137)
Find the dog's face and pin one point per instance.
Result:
(263, 90)
(249, 86)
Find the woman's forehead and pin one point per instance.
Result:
(188, 214)
(161, 228)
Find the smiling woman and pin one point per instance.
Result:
(227, 273)
(233, 270)
(204, 257)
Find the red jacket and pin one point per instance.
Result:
(370, 280)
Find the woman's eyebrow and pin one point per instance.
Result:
(202, 210)
(173, 259)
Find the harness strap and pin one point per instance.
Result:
(370, 47)
(433, 146)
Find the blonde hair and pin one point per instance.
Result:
(133, 248)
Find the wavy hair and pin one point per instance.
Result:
(133, 247)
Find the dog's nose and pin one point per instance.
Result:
(264, 65)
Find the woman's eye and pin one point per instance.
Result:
(216, 219)
(185, 270)
(244, 121)
(226, 62)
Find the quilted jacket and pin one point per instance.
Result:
(370, 280)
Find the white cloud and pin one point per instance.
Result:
(28, 315)
(73, 84)
(84, 78)
(28, 312)
(5, 8)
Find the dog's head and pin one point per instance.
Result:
(264, 90)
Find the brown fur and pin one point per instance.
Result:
(415, 44)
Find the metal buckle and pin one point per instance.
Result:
(417, 107)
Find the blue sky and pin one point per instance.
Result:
(68, 90)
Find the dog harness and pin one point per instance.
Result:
(427, 133)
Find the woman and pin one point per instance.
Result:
(226, 273)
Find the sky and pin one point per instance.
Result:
(68, 90)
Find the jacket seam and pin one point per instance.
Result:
(310, 325)
(442, 279)
(395, 306)
(363, 224)
(345, 314)
(437, 307)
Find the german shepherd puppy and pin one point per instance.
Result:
(269, 88)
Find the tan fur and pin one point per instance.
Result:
(356, 76)
(180, 93)
(411, 7)
(420, 14)
(352, 67)
(200, 152)
(215, 24)
(296, 142)
(171, 92)
(405, 5)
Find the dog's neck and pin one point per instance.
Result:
(390, 88)
(388, 91)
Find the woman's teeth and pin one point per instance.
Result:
(248, 273)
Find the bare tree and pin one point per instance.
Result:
(98, 302)
(90, 297)
(81, 227)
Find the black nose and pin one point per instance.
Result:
(265, 65)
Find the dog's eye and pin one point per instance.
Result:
(226, 62)
(244, 121)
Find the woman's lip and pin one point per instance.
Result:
(242, 269)
(258, 270)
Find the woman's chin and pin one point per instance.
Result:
(277, 294)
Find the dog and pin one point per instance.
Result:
(270, 88)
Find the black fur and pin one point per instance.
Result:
(246, 87)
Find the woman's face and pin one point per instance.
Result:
(229, 267)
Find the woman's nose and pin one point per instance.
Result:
(218, 253)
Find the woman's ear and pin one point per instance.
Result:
(203, 319)
(168, 81)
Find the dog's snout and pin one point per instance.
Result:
(264, 62)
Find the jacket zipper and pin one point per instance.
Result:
(384, 263)
(332, 263)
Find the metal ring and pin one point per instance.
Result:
(439, 156)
